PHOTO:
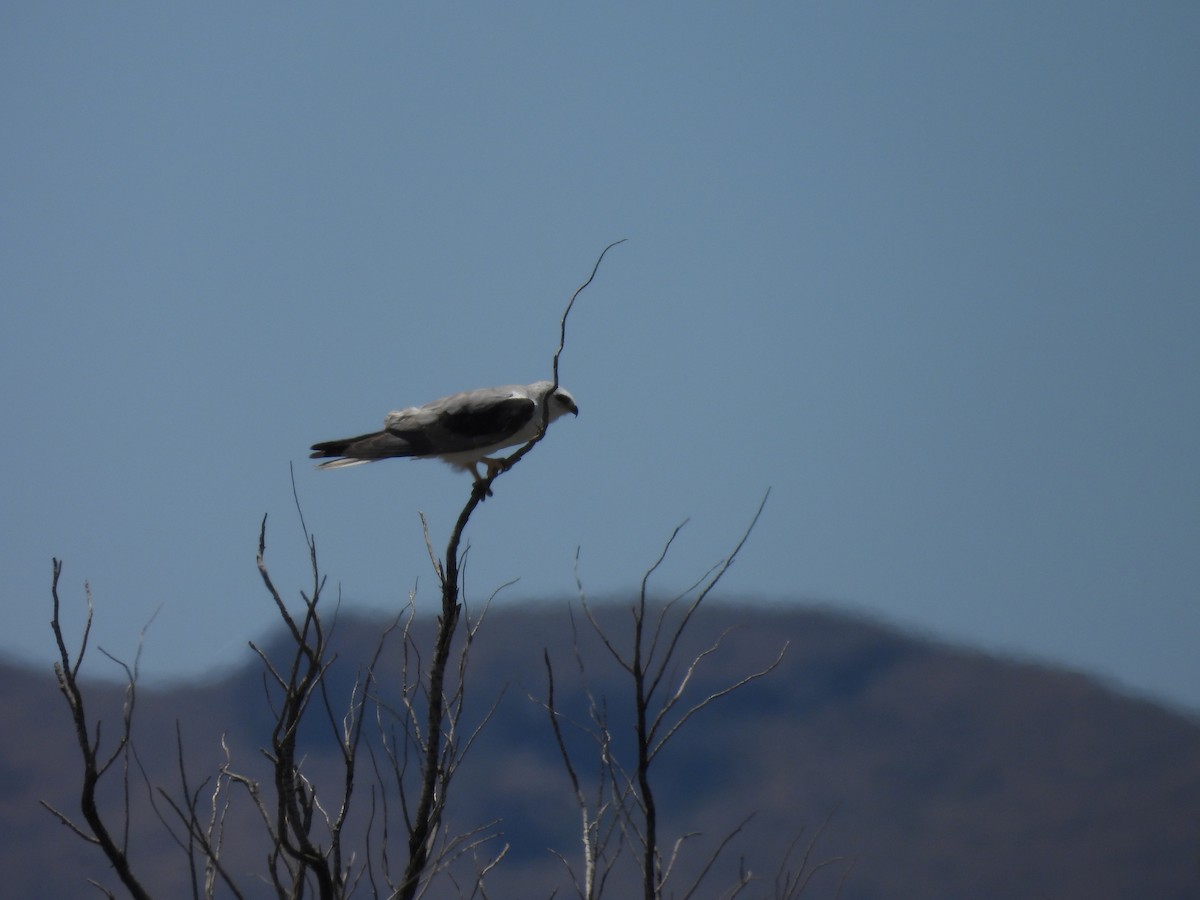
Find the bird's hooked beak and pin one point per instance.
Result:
(574, 408)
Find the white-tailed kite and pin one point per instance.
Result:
(462, 429)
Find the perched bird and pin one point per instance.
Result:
(462, 429)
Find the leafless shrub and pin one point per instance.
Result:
(619, 809)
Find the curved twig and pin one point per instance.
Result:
(484, 487)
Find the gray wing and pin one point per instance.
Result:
(472, 420)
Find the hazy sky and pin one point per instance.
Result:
(927, 270)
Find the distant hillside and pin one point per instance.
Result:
(942, 773)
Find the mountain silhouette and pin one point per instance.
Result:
(908, 767)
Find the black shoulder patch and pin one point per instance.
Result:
(496, 419)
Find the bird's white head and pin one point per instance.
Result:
(562, 402)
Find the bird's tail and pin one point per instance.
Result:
(341, 453)
(342, 463)
(357, 450)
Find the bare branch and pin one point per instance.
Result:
(712, 857)
(711, 698)
(562, 336)
(68, 684)
(437, 563)
(656, 639)
(64, 819)
(791, 884)
(707, 589)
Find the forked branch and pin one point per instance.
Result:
(649, 662)
(67, 671)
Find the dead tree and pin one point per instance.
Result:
(621, 810)
(307, 828)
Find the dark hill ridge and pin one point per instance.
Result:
(947, 773)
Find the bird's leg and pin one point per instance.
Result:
(493, 466)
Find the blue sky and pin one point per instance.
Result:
(928, 271)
